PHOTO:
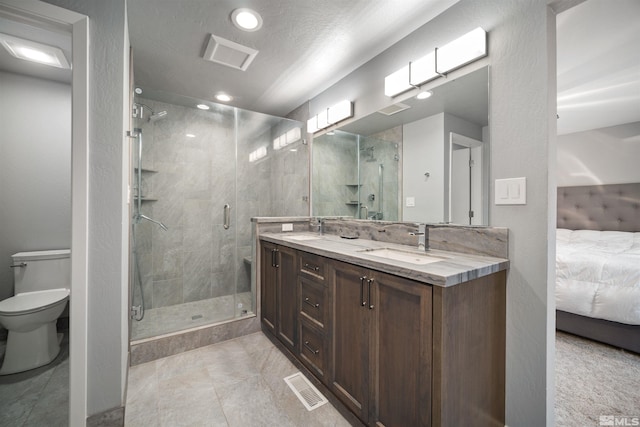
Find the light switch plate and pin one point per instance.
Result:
(511, 191)
(287, 227)
(411, 202)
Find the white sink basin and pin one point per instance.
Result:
(302, 237)
(404, 256)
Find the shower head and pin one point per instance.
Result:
(157, 116)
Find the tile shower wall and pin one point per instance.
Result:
(188, 181)
(374, 154)
(335, 175)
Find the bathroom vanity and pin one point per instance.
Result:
(401, 337)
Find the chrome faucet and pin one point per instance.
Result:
(423, 236)
(320, 226)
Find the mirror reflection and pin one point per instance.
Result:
(423, 160)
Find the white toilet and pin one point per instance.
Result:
(42, 281)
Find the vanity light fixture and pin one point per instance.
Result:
(342, 110)
(190, 135)
(423, 70)
(287, 138)
(462, 51)
(398, 82)
(34, 51)
(453, 55)
(223, 97)
(203, 106)
(329, 116)
(258, 154)
(246, 19)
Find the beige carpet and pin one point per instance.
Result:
(594, 380)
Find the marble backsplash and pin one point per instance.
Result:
(491, 241)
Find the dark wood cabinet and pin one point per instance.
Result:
(268, 285)
(381, 346)
(287, 306)
(394, 351)
(278, 297)
(350, 337)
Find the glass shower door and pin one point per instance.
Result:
(204, 175)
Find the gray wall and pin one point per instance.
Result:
(522, 113)
(35, 169)
(108, 68)
(600, 156)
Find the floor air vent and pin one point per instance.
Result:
(310, 397)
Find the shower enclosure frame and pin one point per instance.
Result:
(233, 214)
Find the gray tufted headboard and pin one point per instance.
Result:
(613, 207)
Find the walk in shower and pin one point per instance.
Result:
(199, 176)
(357, 176)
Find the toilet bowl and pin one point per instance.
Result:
(30, 316)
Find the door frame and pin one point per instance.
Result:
(78, 25)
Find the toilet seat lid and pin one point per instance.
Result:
(30, 301)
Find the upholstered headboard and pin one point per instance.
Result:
(614, 207)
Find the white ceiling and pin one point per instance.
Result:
(305, 46)
(598, 45)
(303, 51)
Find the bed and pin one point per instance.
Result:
(598, 263)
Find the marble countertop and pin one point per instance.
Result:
(452, 268)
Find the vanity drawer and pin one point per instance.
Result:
(312, 265)
(312, 348)
(313, 300)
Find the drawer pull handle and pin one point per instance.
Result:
(311, 267)
(362, 301)
(306, 301)
(370, 302)
(311, 349)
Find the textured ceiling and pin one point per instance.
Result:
(304, 46)
(304, 50)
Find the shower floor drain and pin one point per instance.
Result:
(310, 397)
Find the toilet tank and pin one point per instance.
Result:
(42, 270)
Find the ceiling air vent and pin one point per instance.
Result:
(393, 109)
(226, 52)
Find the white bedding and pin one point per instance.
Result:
(598, 274)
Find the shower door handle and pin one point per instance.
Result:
(227, 216)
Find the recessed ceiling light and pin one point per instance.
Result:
(246, 19)
(190, 135)
(223, 97)
(424, 94)
(34, 52)
(202, 106)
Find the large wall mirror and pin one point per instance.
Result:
(418, 160)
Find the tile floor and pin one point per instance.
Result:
(234, 383)
(163, 320)
(39, 397)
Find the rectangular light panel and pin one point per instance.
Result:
(462, 51)
(34, 51)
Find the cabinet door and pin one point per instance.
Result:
(350, 338)
(287, 308)
(401, 352)
(268, 289)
